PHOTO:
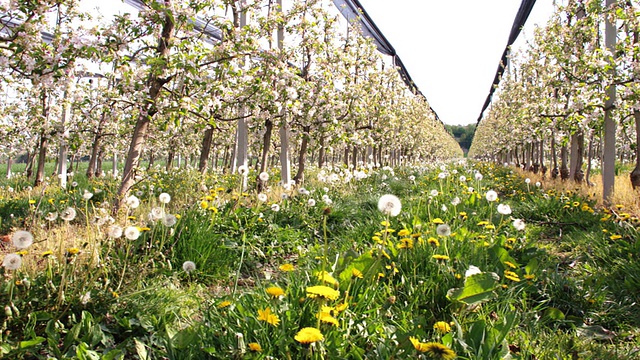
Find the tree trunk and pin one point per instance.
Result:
(554, 157)
(543, 168)
(355, 157)
(609, 153)
(264, 157)
(579, 174)
(285, 163)
(9, 164)
(28, 171)
(205, 150)
(93, 159)
(635, 174)
(564, 170)
(99, 160)
(302, 155)
(42, 158)
(170, 156)
(346, 156)
(322, 152)
(577, 152)
(148, 110)
(589, 159)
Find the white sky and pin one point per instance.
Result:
(452, 49)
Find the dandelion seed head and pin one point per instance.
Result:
(389, 205)
(164, 198)
(22, 239)
(12, 261)
(188, 266)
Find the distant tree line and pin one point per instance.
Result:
(463, 134)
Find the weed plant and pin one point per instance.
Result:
(470, 261)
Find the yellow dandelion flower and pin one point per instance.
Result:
(490, 227)
(326, 317)
(437, 221)
(442, 327)
(615, 237)
(377, 239)
(619, 206)
(438, 351)
(420, 346)
(326, 278)
(510, 264)
(404, 232)
(529, 276)
(341, 307)
(47, 253)
(308, 335)
(115, 294)
(22, 252)
(390, 231)
(384, 253)
(224, 304)
(355, 273)
(322, 292)
(204, 205)
(274, 291)
(267, 316)
(73, 251)
(405, 243)
(511, 276)
(32, 201)
(286, 267)
(440, 257)
(483, 223)
(433, 242)
(254, 346)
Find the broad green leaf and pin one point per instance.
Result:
(554, 314)
(477, 288)
(33, 342)
(141, 349)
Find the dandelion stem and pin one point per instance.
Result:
(235, 286)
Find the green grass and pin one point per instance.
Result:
(566, 287)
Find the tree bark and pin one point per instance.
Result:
(322, 152)
(155, 84)
(264, 157)
(635, 174)
(564, 170)
(205, 150)
(42, 158)
(9, 164)
(95, 147)
(609, 153)
(170, 156)
(299, 178)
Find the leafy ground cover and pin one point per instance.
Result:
(467, 261)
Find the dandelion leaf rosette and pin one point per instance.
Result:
(477, 288)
